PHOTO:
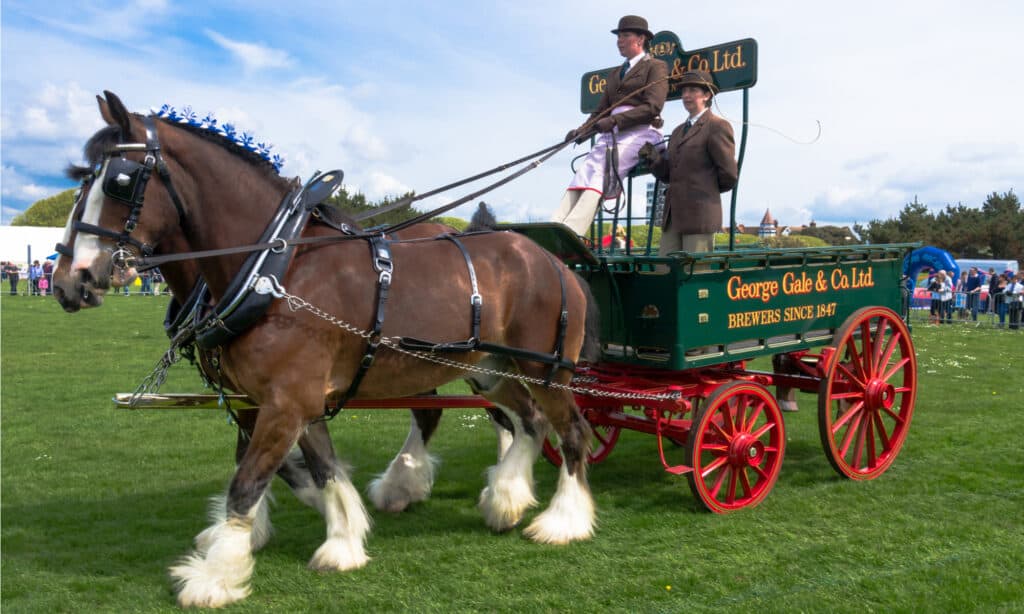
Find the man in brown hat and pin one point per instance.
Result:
(630, 115)
(699, 164)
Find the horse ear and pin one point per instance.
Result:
(105, 110)
(115, 112)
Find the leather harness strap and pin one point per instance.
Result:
(380, 252)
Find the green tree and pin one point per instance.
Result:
(914, 223)
(52, 211)
(1004, 225)
(354, 204)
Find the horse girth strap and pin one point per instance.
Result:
(381, 254)
(474, 343)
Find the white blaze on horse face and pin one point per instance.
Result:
(87, 245)
(66, 241)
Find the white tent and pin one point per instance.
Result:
(16, 243)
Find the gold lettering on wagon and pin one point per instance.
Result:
(800, 283)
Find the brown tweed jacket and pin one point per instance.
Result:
(698, 168)
(647, 104)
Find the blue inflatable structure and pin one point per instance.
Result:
(928, 257)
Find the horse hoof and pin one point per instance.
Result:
(505, 513)
(199, 586)
(339, 555)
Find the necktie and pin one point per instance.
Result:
(625, 67)
(686, 127)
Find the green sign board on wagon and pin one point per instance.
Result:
(733, 66)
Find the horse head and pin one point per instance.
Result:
(142, 174)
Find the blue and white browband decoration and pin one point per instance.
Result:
(228, 131)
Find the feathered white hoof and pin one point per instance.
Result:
(262, 529)
(221, 576)
(339, 554)
(408, 479)
(569, 517)
(505, 501)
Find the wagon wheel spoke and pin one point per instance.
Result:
(858, 448)
(745, 483)
(761, 432)
(718, 482)
(849, 414)
(896, 368)
(755, 415)
(713, 466)
(731, 492)
(890, 349)
(851, 430)
(859, 381)
(880, 428)
(878, 346)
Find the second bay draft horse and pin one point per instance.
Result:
(409, 477)
(291, 361)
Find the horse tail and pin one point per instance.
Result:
(483, 219)
(591, 350)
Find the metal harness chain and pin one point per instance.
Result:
(295, 303)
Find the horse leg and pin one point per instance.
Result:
(220, 575)
(509, 490)
(293, 472)
(338, 501)
(570, 515)
(410, 476)
(503, 429)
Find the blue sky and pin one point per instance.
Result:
(914, 98)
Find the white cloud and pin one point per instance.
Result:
(254, 57)
(377, 185)
(17, 185)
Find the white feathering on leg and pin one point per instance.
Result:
(509, 491)
(347, 527)
(408, 479)
(222, 575)
(570, 515)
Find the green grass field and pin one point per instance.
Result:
(98, 502)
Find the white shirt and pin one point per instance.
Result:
(633, 60)
(693, 120)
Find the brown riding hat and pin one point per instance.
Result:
(699, 78)
(633, 23)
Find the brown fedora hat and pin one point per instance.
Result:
(633, 23)
(700, 78)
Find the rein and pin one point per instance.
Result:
(130, 188)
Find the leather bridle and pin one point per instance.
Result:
(125, 180)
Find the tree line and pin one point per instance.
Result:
(996, 230)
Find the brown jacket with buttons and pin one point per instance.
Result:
(698, 168)
(647, 103)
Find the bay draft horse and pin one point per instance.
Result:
(409, 477)
(291, 362)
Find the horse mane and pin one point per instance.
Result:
(250, 156)
(107, 137)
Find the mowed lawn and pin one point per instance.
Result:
(97, 502)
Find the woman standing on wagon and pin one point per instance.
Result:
(699, 164)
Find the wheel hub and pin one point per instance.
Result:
(879, 395)
(746, 451)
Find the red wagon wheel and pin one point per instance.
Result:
(601, 443)
(867, 398)
(736, 447)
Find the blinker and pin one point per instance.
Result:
(122, 180)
